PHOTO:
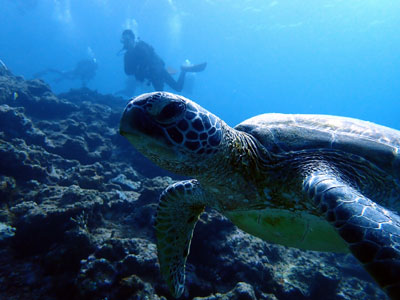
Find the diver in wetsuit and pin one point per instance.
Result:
(84, 70)
(141, 60)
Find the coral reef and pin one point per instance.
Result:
(77, 212)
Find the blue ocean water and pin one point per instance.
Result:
(290, 56)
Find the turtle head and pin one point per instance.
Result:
(172, 131)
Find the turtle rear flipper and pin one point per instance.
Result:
(179, 209)
(371, 232)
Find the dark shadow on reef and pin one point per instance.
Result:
(77, 212)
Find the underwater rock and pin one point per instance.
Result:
(242, 291)
(35, 96)
(7, 190)
(144, 263)
(128, 265)
(87, 95)
(6, 232)
(16, 125)
(125, 183)
(18, 160)
(132, 287)
(98, 274)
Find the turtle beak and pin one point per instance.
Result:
(136, 121)
(139, 127)
(132, 122)
(124, 127)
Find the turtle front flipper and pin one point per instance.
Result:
(371, 232)
(180, 207)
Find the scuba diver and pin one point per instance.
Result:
(85, 70)
(141, 60)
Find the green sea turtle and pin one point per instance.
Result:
(308, 181)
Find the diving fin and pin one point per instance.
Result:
(194, 68)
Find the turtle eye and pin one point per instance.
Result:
(171, 112)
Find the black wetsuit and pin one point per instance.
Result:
(143, 62)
